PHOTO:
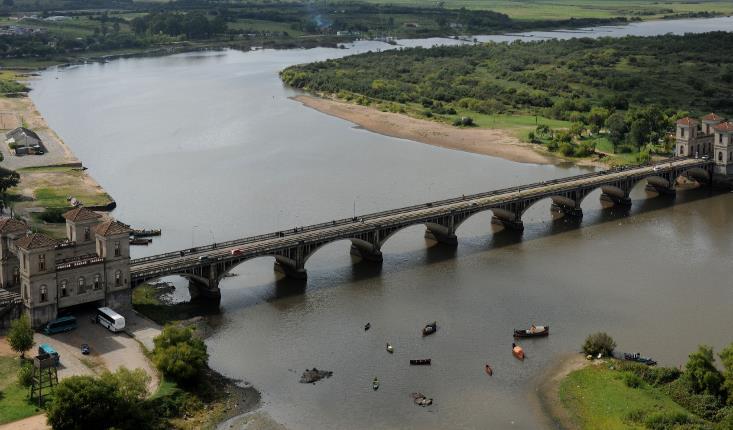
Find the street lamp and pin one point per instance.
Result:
(192, 231)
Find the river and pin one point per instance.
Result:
(209, 147)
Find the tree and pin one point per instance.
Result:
(82, 402)
(597, 118)
(577, 129)
(700, 369)
(616, 125)
(726, 357)
(599, 343)
(8, 179)
(20, 336)
(178, 354)
(131, 385)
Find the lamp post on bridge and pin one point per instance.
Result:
(193, 229)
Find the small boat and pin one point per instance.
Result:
(141, 232)
(367, 326)
(517, 351)
(639, 359)
(389, 348)
(140, 241)
(534, 331)
(421, 362)
(430, 328)
(375, 384)
(489, 371)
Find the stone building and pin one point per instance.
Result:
(90, 266)
(711, 136)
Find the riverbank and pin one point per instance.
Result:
(548, 390)
(501, 143)
(47, 180)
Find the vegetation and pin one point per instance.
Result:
(14, 404)
(627, 395)
(20, 336)
(146, 299)
(599, 343)
(178, 354)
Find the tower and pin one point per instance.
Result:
(10, 230)
(723, 148)
(37, 255)
(685, 137)
(113, 245)
(80, 225)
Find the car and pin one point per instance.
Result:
(85, 349)
(203, 258)
(237, 251)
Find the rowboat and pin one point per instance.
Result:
(367, 326)
(517, 351)
(389, 348)
(421, 400)
(140, 241)
(375, 384)
(421, 362)
(430, 328)
(140, 232)
(639, 359)
(534, 331)
(489, 371)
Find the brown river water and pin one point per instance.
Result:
(209, 147)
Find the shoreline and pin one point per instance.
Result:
(548, 387)
(498, 143)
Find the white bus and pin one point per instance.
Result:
(110, 319)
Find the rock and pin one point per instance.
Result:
(314, 375)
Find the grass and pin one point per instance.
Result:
(166, 388)
(597, 398)
(146, 301)
(52, 185)
(14, 404)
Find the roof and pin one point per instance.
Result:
(22, 131)
(687, 121)
(712, 117)
(11, 225)
(112, 228)
(724, 127)
(81, 214)
(35, 241)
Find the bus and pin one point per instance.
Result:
(45, 348)
(110, 319)
(60, 325)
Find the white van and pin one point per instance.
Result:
(110, 319)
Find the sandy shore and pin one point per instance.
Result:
(548, 390)
(493, 142)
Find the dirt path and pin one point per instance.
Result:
(548, 390)
(493, 142)
(36, 422)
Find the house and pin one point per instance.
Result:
(24, 141)
(710, 136)
(92, 266)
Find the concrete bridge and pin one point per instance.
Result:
(205, 266)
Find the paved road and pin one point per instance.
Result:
(344, 228)
(57, 153)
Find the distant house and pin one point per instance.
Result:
(24, 141)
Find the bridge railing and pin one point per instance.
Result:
(390, 212)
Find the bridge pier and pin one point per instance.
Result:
(374, 254)
(441, 234)
(666, 191)
(568, 211)
(204, 290)
(291, 271)
(616, 200)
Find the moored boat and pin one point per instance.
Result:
(140, 241)
(141, 232)
(421, 362)
(637, 357)
(421, 400)
(534, 331)
(517, 351)
(489, 371)
(389, 348)
(430, 328)
(375, 384)
(367, 326)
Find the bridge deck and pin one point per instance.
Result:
(345, 228)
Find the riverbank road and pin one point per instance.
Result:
(56, 153)
(109, 351)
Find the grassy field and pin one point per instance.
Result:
(52, 185)
(562, 9)
(598, 398)
(14, 403)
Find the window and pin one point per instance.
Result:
(117, 249)
(44, 293)
(86, 233)
(25, 260)
(682, 149)
(118, 278)
(720, 156)
(64, 290)
(81, 285)
(682, 132)
(96, 282)
(16, 275)
(42, 262)
(24, 290)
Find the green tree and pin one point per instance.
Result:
(82, 402)
(131, 385)
(577, 129)
(726, 357)
(700, 369)
(178, 354)
(8, 179)
(599, 343)
(597, 118)
(617, 128)
(20, 336)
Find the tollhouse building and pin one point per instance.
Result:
(710, 136)
(90, 266)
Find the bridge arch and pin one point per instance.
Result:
(359, 247)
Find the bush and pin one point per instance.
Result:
(703, 405)
(178, 354)
(567, 149)
(25, 373)
(704, 377)
(656, 376)
(631, 380)
(20, 335)
(53, 215)
(666, 421)
(599, 343)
